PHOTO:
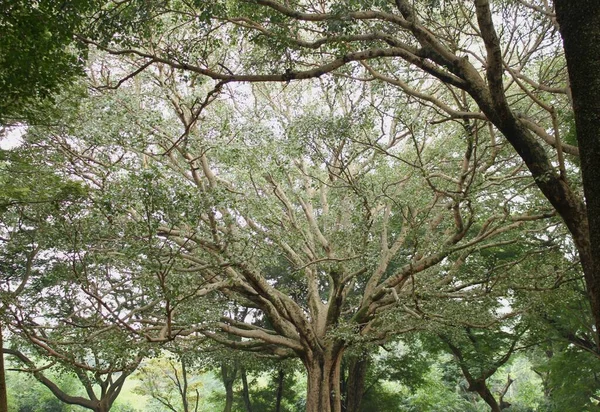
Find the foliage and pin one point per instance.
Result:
(381, 196)
(37, 55)
(27, 395)
(169, 383)
(570, 378)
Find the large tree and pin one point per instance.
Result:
(326, 211)
(361, 215)
(579, 28)
(499, 62)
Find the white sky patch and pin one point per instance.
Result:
(12, 137)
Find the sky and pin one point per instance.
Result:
(11, 137)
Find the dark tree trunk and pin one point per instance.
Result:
(323, 391)
(103, 406)
(280, 377)
(228, 397)
(355, 385)
(228, 374)
(246, 391)
(183, 390)
(483, 391)
(580, 29)
(3, 392)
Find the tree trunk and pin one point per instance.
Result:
(228, 397)
(323, 391)
(246, 391)
(228, 374)
(355, 388)
(483, 391)
(580, 29)
(280, 377)
(3, 392)
(103, 406)
(184, 390)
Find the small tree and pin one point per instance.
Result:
(167, 380)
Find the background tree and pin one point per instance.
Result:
(29, 197)
(170, 382)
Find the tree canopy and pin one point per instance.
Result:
(298, 179)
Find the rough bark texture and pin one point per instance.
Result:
(580, 29)
(323, 369)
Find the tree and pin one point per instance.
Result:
(42, 219)
(579, 29)
(366, 370)
(507, 72)
(569, 377)
(29, 197)
(102, 386)
(339, 224)
(26, 394)
(480, 357)
(168, 381)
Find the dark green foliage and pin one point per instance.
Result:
(23, 183)
(37, 53)
(263, 397)
(571, 379)
(379, 398)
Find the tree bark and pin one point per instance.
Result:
(228, 375)
(280, 377)
(183, 390)
(323, 378)
(483, 391)
(355, 387)
(579, 24)
(3, 392)
(246, 391)
(103, 406)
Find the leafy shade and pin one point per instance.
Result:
(37, 53)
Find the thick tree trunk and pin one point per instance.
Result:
(323, 392)
(580, 29)
(355, 387)
(580, 22)
(103, 406)
(3, 392)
